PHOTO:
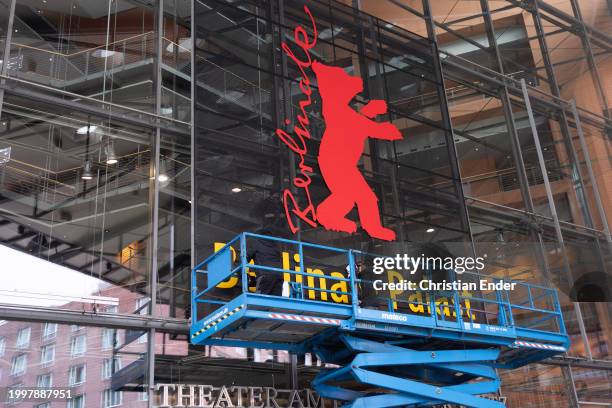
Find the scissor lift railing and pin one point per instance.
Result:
(410, 348)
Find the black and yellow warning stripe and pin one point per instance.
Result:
(216, 322)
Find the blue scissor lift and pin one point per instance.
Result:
(410, 348)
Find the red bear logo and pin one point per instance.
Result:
(341, 148)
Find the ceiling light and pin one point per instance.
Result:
(184, 45)
(430, 229)
(87, 173)
(83, 130)
(231, 95)
(388, 25)
(236, 190)
(111, 157)
(328, 33)
(5, 155)
(102, 53)
(163, 171)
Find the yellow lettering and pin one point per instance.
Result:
(416, 298)
(442, 301)
(391, 276)
(296, 258)
(340, 286)
(311, 283)
(286, 266)
(467, 305)
(231, 282)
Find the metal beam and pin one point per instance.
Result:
(13, 86)
(155, 172)
(448, 131)
(99, 319)
(579, 362)
(7, 50)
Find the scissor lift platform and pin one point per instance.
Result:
(410, 349)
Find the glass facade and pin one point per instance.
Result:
(136, 137)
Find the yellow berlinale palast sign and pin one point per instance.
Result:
(418, 301)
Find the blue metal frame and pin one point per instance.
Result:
(450, 370)
(510, 340)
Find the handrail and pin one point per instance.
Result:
(109, 104)
(65, 55)
(446, 307)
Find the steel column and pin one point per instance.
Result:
(389, 147)
(587, 160)
(577, 179)
(515, 142)
(449, 136)
(573, 395)
(588, 50)
(7, 51)
(553, 210)
(155, 212)
(193, 202)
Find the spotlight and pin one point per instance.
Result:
(111, 157)
(87, 173)
(236, 190)
(163, 173)
(430, 229)
(83, 130)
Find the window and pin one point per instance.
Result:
(23, 338)
(47, 354)
(142, 339)
(111, 398)
(76, 402)
(111, 309)
(75, 328)
(141, 306)
(18, 365)
(108, 369)
(78, 345)
(49, 330)
(143, 396)
(2, 345)
(44, 381)
(44, 405)
(143, 309)
(76, 375)
(108, 338)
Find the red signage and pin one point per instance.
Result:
(346, 131)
